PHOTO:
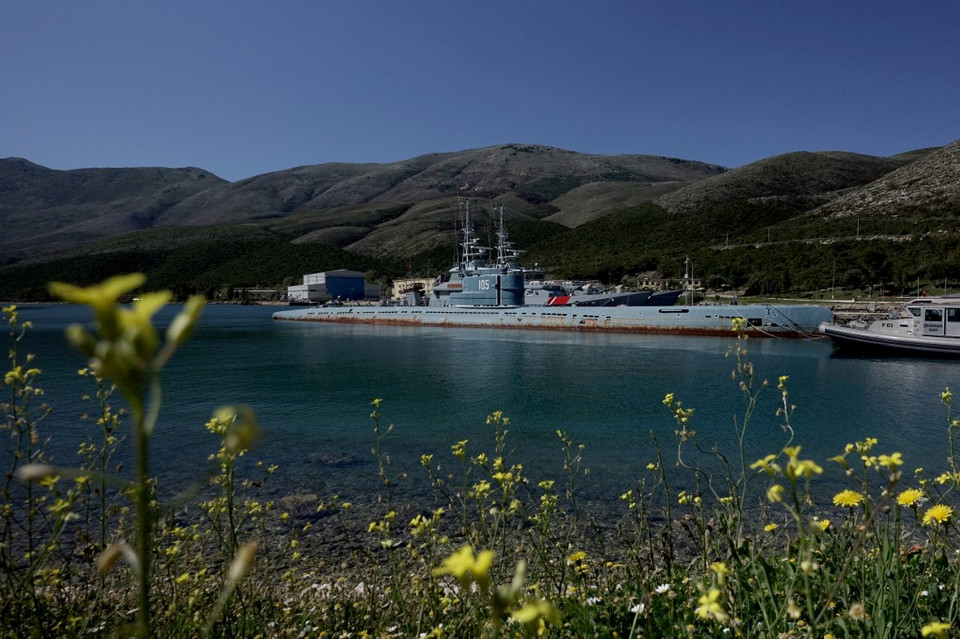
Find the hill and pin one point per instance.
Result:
(801, 180)
(929, 185)
(779, 224)
(795, 223)
(44, 211)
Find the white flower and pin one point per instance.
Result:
(662, 588)
(592, 601)
(638, 609)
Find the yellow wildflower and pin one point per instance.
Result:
(719, 568)
(848, 498)
(767, 465)
(709, 605)
(802, 468)
(909, 497)
(892, 462)
(842, 460)
(463, 562)
(102, 298)
(770, 527)
(775, 493)
(938, 514)
(534, 612)
(939, 629)
(945, 477)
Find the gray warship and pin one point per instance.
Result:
(485, 291)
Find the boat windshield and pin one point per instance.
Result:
(914, 311)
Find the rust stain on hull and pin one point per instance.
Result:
(587, 327)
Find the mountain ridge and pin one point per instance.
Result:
(608, 215)
(48, 210)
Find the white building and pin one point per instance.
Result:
(339, 284)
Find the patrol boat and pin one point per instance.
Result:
(489, 293)
(926, 326)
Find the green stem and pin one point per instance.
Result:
(145, 422)
(143, 528)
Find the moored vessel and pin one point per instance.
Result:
(491, 293)
(926, 326)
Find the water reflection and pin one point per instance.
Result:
(312, 385)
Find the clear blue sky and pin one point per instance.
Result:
(241, 88)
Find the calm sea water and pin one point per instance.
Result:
(311, 386)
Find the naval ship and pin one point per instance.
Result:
(486, 291)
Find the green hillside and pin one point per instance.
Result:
(791, 225)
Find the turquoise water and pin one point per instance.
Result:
(311, 386)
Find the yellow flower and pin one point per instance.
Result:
(102, 298)
(848, 498)
(577, 557)
(767, 465)
(909, 497)
(481, 490)
(536, 610)
(945, 477)
(719, 568)
(939, 629)
(709, 605)
(802, 468)
(892, 462)
(775, 493)
(59, 506)
(462, 562)
(770, 527)
(938, 514)
(842, 460)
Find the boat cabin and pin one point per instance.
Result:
(938, 316)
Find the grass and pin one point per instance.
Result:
(750, 547)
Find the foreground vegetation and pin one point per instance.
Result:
(756, 548)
